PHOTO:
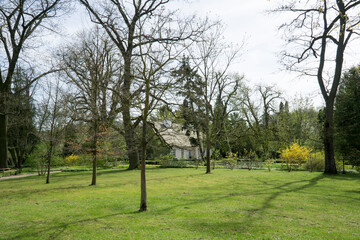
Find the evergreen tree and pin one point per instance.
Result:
(347, 115)
(190, 86)
(21, 130)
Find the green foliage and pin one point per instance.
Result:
(37, 158)
(295, 155)
(315, 162)
(215, 157)
(269, 163)
(347, 115)
(354, 158)
(166, 160)
(230, 161)
(250, 159)
(21, 131)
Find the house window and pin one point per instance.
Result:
(182, 153)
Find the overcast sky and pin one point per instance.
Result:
(260, 61)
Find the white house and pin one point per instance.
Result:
(176, 138)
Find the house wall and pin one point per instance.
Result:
(177, 153)
(180, 153)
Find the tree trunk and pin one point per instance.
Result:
(3, 141)
(49, 160)
(129, 136)
(143, 200)
(94, 155)
(20, 159)
(129, 133)
(330, 165)
(200, 145)
(13, 157)
(208, 168)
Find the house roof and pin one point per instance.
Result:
(174, 135)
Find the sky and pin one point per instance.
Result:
(263, 42)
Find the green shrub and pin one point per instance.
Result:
(57, 161)
(230, 161)
(315, 162)
(37, 159)
(269, 163)
(166, 160)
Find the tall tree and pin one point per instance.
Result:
(130, 25)
(213, 58)
(347, 114)
(54, 114)
(321, 29)
(190, 86)
(153, 71)
(92, 68)
(21, 130)
(19, 21)
(257, 106)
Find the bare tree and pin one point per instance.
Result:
(19, 21)
(92, 68)
(130, 25)
(153, 70)
(321, 30)
(213, 58)
(54, 115)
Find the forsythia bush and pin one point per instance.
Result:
(70, 160)
(295, 155)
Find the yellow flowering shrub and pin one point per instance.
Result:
(295, 155)
(70, 160)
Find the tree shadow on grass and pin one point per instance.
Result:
(56, 231)
(251, 215)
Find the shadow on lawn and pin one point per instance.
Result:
(56, 231)
(251, 215)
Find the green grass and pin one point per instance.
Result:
(183, 204)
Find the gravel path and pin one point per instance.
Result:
(22, 175)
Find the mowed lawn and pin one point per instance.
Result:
(183, 204)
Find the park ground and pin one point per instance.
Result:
(183, 204)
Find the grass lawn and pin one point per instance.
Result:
(183, 204)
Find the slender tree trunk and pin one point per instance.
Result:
(50, 152)
(330, 165)
(208, 168)
(20, 159)
(94, 155)
(143, 200)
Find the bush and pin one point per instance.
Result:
(250, 159)
(37, 159)
(315, 162)
(230, 161)
(71, 160)
(354, 158)
(57, 161)
(166, 160)
(269, 163)
(295, 155)
(79, 160)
